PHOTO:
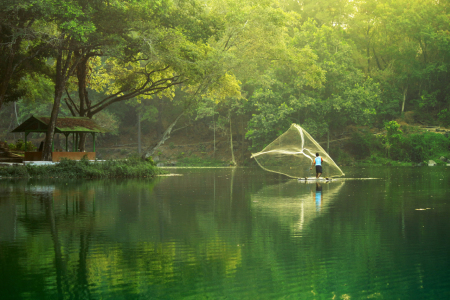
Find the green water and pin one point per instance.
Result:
(228, 234)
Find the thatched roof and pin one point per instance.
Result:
(63, 125)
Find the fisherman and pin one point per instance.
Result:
(318, 163)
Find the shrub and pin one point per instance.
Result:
(85, 169)
(20, 146)
(423, 146)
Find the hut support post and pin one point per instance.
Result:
(67, 142)
(93, 139)
(26, 134)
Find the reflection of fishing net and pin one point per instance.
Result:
(292, 154)
(294, 203)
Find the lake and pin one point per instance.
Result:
(231, 233)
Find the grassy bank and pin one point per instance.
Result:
(130, 168)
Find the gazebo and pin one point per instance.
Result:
(66, 126)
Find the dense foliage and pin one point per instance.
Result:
(322, 64)
(411, 146)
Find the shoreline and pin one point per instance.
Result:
(130, 168)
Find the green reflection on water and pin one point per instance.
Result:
(228, 233)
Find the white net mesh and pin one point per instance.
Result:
(292, 154)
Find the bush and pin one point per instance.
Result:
(20, 146)
(421, 147)
(85, 169)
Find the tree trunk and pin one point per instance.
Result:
(64, 68)
(159, 124)
(47, 151)
(83, 95)
(139, 133)
(166, 135)
(243, 139)
(368, 50)
(231, 140)
(82, 142)
(82, 91)
(405, 91)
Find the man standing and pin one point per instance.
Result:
(318, 163)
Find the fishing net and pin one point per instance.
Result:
(292, 154)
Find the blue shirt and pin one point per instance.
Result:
(318, 161)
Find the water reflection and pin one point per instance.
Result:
(97, 237)
(232, 233)
(296, 203)
(319, 196)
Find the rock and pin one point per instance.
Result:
(420, 164)
(156, 158)
(442, 158)
(431, 163)
(160, 165)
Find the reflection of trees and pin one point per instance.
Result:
(74, 216)
(59, 263)
(96, 235)
(220, 229)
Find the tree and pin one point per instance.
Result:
(73, 39)
(344, 96)
(164, 46)
(20, 54)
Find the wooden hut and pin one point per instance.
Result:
(65, 126)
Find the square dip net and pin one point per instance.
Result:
(292, 154)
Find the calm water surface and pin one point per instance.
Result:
(228, 234)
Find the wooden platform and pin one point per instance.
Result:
(57, 156)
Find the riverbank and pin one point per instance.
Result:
(129, 168)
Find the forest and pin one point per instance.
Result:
(242, 70)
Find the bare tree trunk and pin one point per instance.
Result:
(47, 151)
(159, 124)
(64, 68)
(231, 140)
(405, 91)
(139, 133)
(166, 135)
(82, 72)
(82, 142)
(243, 140)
